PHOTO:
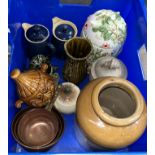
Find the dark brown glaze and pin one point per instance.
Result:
(37, 127)
(77, 51)
(28, 114)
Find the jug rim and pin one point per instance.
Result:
(64, 22)
(36, 42)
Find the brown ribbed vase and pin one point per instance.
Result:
(35, 87)
(77, 50)
(111, 113)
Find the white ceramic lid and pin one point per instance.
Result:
(108, 66)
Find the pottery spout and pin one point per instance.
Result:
(56, 20)
(26, 26)
(15, 74)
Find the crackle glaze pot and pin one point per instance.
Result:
(35, 87)
(111, 113)
(106, 30)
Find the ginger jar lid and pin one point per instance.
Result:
(108, 66)
(106, 29)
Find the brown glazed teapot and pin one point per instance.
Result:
(111, 113)
(35, 87)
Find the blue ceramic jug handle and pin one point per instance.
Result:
(51, 47)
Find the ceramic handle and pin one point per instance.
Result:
(26, 26)
(44, 67)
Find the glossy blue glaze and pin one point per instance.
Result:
(42, 12)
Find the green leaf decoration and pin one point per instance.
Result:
(107, 36)
(98, 14)
(95, 29)
(117, 16)
(102, 29)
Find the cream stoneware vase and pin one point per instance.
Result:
(111, 113)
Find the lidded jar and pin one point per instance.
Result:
(111, 113)
(106, 30)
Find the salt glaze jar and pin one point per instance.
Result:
(106, 30)
(63, 30)
(35, 87)
(111, 113)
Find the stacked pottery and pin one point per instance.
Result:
(31, 123)
(106, 30)
(110, 111)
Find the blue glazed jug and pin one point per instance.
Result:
(37, 40)
(63, 30)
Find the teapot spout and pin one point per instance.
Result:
(15, 74)
(26, 26)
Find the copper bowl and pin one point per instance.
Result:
(37, 129)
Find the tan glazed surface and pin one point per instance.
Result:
(35, 87)
(104, 129)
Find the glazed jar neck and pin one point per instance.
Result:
(125, 86)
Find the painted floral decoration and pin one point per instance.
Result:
(106, 30)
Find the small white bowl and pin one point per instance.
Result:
(67, 97)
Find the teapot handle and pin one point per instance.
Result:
(26, 26)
